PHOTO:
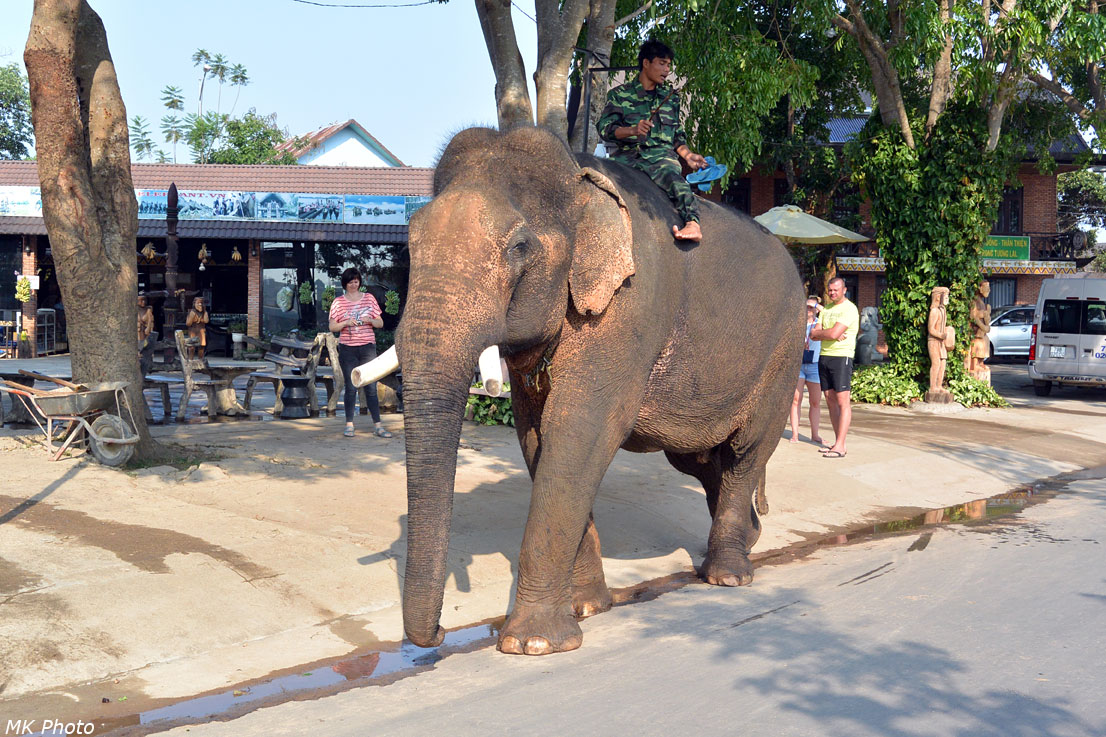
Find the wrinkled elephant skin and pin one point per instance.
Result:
(616, 337)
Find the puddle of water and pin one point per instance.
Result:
(405, 659)
(365, 669)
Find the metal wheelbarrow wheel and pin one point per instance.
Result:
(106, 428)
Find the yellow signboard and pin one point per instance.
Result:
(1011, 247)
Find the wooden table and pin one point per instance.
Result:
(226, 399)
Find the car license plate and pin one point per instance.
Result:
(1058, 351)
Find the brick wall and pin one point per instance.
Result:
(30, 307)
(1038, 201)
(1029, 287)
(866, 290)
(253, 289)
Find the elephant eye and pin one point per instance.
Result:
(519, 249)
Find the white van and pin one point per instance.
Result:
(1069, 333)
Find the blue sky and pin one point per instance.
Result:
(411, 76)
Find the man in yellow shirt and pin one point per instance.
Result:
(837, 329)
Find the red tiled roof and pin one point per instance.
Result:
(381, 180)
(314, 139)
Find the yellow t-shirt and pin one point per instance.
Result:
(847, 313)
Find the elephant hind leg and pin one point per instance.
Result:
(590, 595)
(729, 479)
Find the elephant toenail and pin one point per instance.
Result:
(538, 646)
(510, 644)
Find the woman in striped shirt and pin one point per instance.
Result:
(353, 316)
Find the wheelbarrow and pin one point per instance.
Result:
(78, 415)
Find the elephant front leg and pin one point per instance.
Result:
(590, 595)
(560, 575)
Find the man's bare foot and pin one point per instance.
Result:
(690, 231)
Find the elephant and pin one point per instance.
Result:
(615, 336)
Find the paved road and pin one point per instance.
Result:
(986, 628)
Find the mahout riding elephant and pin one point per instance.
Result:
(615, 336)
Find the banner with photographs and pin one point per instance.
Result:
(235, 205)
(375, 210)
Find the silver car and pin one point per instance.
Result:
(1011, 330)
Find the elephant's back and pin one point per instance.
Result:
(734, 309)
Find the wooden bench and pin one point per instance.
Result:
(286, 363)
(193, 370)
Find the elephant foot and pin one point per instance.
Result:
(590, 599)
(731, 570)
(540, 631)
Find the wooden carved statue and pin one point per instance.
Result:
(198, 318)
(145, 319)
(940, 337)
(980, 347)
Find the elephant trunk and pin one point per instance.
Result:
(438, 359)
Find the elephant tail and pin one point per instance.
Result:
(761, 499)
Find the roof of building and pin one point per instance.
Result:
(241, 229)
(380, 180)
(312, 140)
(844, 129)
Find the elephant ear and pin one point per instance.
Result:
(603, 255)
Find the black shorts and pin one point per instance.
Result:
(835, 373)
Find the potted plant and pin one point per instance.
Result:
(237, 330)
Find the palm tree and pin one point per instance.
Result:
(219, 68)
(141, 142)
(172, 97)
(173, 129)
(238, 78)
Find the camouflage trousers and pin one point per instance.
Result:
(666, 173)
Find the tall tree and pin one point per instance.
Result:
(16, 134)
(88, 201)
(1082, 204)
(252, 139)
(949, 78)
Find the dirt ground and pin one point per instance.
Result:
(284, 545)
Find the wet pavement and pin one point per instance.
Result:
(906, 473)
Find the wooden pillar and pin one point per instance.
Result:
(253, 298)
(30, 307)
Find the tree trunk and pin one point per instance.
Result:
(600, 39)
(512, 99)
(88, 201)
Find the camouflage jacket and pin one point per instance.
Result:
(629, 103)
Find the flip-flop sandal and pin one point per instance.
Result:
(833, 454)
(348, 432)
(381, 433)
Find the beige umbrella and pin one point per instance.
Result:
(791, 225)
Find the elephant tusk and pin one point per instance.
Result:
(376, 369)
(491, 372)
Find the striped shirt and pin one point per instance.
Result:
(364, 309)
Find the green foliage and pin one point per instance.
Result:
(16, 134)
(23, 289)
(307, 293)
(1082, 203)
(884, 384)
(141, 143)
(213, 136)
(932, 207)
(251, 139)
(385, 339)
(750, 70)
(972, 392)
(391, 302)
(491, 410)
(327, 298)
